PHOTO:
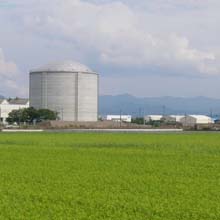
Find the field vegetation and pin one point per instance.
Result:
(110, 176)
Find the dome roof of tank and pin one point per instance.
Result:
(64, 66)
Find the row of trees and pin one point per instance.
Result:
(31, 115)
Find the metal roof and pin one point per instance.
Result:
(18, 101)
(178, 117)
(154, 117)
(2, 100)
(200, 116)
(64, 66)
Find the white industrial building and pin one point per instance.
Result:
(191, 120)
(178, 117)
(6, 106)
(68, 87)
(119, 118)
(172, 118)
(149, 118)
(187, 120)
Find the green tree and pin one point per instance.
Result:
(15, 116)
(138, 120)
(46, 114)
(30, 115)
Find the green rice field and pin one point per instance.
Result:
(110, 176)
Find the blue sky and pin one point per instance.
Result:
(143, 47)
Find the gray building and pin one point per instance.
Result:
(69, 88)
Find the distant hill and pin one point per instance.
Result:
(1, 97)
(129, 104)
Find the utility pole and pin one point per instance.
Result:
(139, 113)
(19, 117)
(164, 110)
(120, 118)
(211, 113)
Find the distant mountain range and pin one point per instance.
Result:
(1, 97)
(135, 106)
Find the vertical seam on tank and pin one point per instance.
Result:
(46, 106)
(97, 97)
(42, 91)
(30, 88)
(76, 96)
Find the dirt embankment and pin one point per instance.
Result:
(89, 125)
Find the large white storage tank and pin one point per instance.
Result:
(69, 88)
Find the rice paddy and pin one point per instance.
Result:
(110, 176)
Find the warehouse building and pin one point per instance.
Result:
(6, 106)
(172, 118)
(192, 120)
(119, 118)
(68, 87)
(168, 119)
(178, 117)
(154, 118)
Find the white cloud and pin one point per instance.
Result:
(119, 36)
(9, 74)
(7, 68)
(167, 38)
